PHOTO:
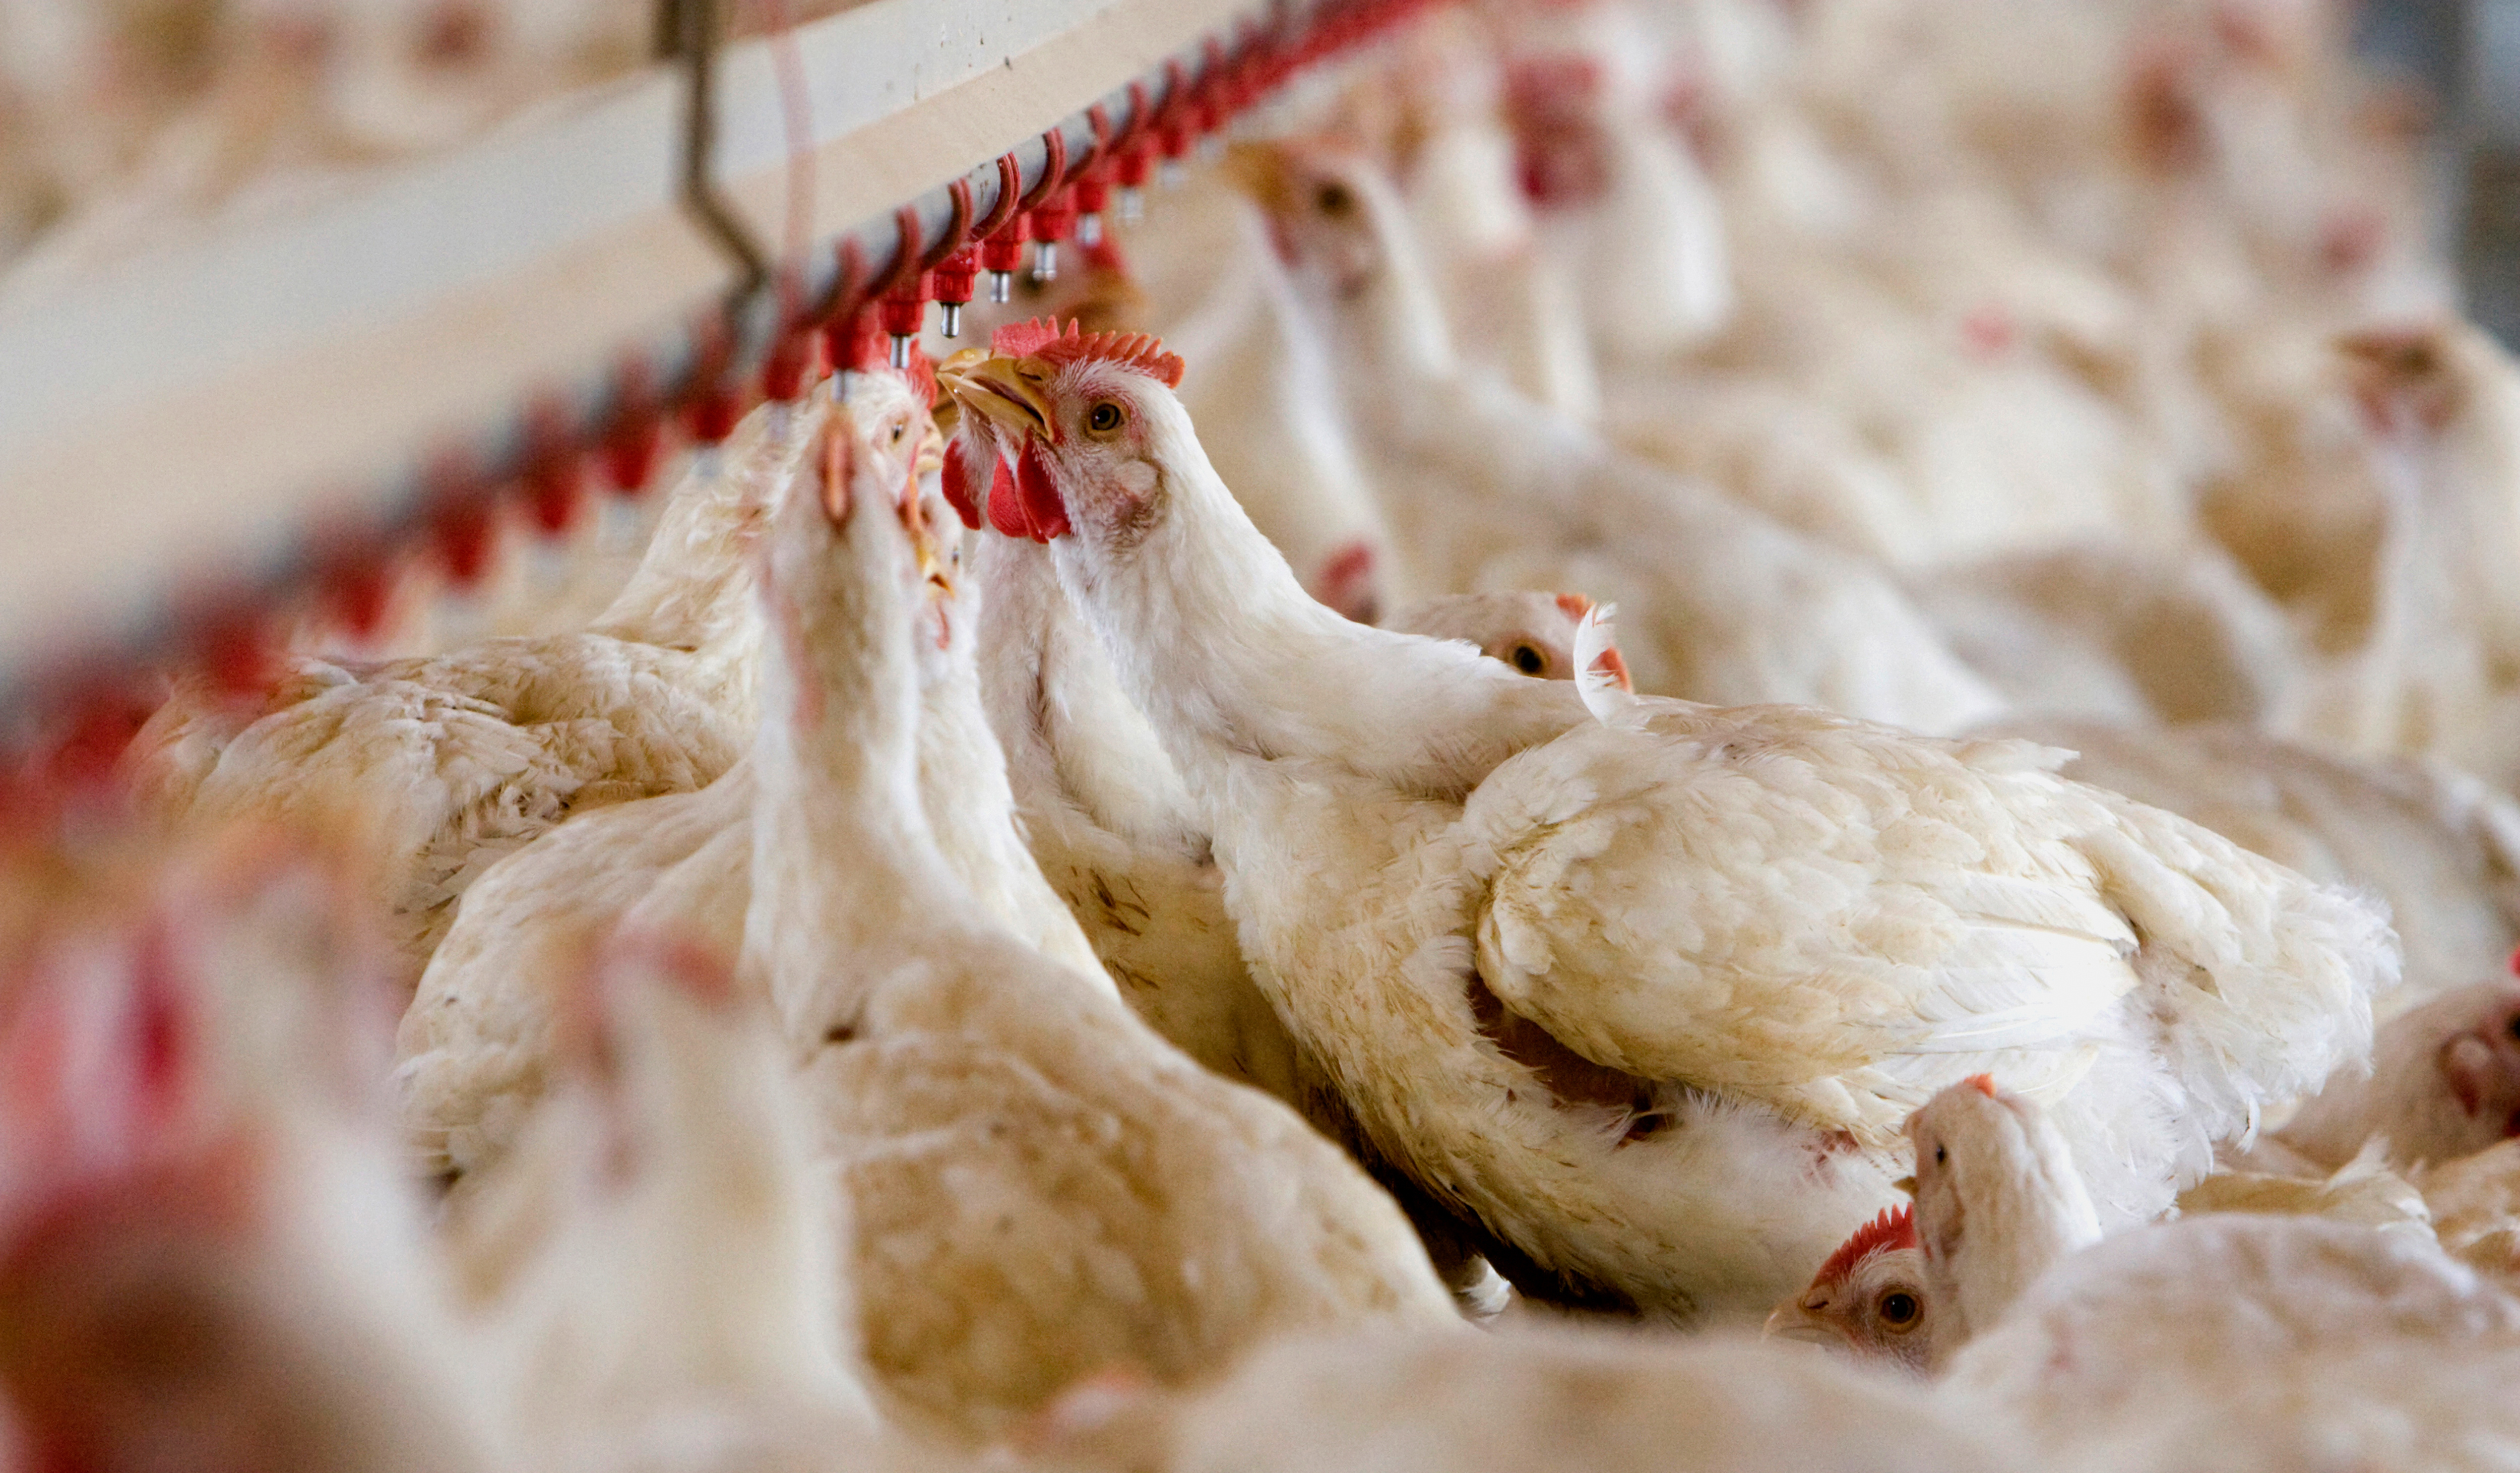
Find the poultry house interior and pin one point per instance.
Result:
(643, 834)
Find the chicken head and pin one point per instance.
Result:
(2444, 1082)
(1085, 419)
(1869, 1298)
(1998, 1201)
(1534, 632)
(1322, 201)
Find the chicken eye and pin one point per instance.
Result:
(1899, 1309)
(2513, 1028)
(1941, 1155)
(1333, 200)
(898, 431)
(1103, 418)
(1529, 661)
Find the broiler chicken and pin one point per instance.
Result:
(1534, 632)
(1433, 110)
(1619, 196)
(1114, 830)
(2225, 1341)
(1040, 1185)
(2121, 633)
(2440, 846)
(1488, 491)
(1871, 1298)
(2444, 1082)
(1272, 393)
(672, 1304)
(458, 759)
(1643, 995)
(476, 1040)
(2433, 673)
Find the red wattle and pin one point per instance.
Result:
(959, 486)
(1006, 508)
(1041, 507)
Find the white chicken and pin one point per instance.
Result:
(1271, 392)
(1872, 1300)
(1487, 490)
(1645, 995)
(2226, 1341)
(1115, 832)
(1040, 1185)
(460, 758)
(1534, 632)
(2440, 846)
(2433, 674)
(2117, 633)
(1620, 197)
(2444, 1082)
(476, 1040)
(1432, 110)
(673, 1304)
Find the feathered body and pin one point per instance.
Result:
(1647, 997)
(673, 1307)
(475, 1042)
(460, 759)
(1041, 1185)
(1597, 1402)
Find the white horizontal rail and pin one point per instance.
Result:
(192, 410)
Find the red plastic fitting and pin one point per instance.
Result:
(952, 284)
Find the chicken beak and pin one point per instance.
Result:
(1000, 391)
(1256, 171)
(1791, 1322)
(923, 537)
(1906, 1184)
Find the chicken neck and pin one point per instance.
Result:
(841, 847)
(1998, 1204)
(692, 587)
(1070, 734)
(1234, 663)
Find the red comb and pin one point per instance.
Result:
(2516, 962)
(1021, 340)
(1041, 339)
(1142, 351)
(1574, 605)
(1614, 664)
(1896, 1227)
(1983, 1084)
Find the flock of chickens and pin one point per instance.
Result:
(1706, 734)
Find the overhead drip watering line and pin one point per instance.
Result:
(756, 335)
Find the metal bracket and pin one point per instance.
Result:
(687, 31)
